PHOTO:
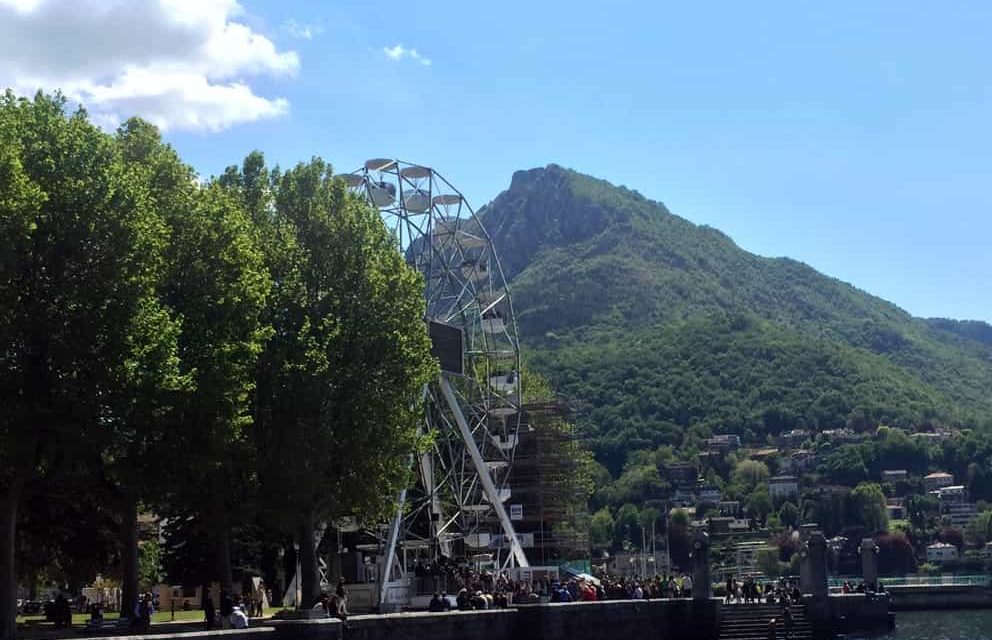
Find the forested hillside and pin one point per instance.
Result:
(659, 331)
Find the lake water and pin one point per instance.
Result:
(970, 624)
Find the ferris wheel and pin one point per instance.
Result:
(458, 506)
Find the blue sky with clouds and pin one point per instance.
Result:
(854, 136)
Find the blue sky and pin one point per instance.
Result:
(854, 136)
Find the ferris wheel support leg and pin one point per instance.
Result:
(394, 534)
(480, 467)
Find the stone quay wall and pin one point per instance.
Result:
(959, 596)
(652, 619)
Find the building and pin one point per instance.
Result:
(802, 460)
(681, 473)
(723, 443)
(729, 507)
(894, 475)
(937, 480)
(783, 487)
(940, 552)
(701, 492)
(725, 526)
(791, 439)
(896, 508)
(708, 493)
(959, 514)
(762, 455)
(839, 436)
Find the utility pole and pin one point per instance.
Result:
(654, 541)
(644, 557)
(668, 540)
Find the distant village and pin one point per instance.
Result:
(923, 522)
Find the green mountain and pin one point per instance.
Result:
(660, 331)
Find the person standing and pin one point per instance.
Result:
(209, 612)
(145, 611)
(789, 622)
(226, 609)
(341, 599)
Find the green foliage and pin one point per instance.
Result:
(336, 420)
(601, 529)
(149, 564)
(867, 507)
(788, 514)
(193, 349)
(759, 503)
(662, 332)
(89, 348)
(749, 474)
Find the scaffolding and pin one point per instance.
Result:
(547, 504)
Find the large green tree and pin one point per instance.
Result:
(216, 284)
(340, 380)
(867, 507)
(80, 258)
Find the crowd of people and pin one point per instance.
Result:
(862, 587)
(234, 610)
(751, 591)
(486, 590)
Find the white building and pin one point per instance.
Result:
(783, 487)
(939, 552)
(937, 480)
(894, 475)
(955, 507)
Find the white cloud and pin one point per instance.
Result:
(183, 64)
(398, 52)
(301, 31)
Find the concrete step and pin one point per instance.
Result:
(750, 622)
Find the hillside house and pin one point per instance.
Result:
(783, 487)
(791, 439)
(681, 473)
(723, 443)
(940, 552)
(894, 475)
(937, 480)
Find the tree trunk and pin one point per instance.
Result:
(129, 555)
(221, 535)
(309, 580)
(222, 547)
(334, 568)
(8, 540)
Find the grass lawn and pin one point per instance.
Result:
(80, 619)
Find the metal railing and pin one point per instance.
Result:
(947, 579)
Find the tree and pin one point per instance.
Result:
(215, 282)
(868, 507)
(767, 559)
(845, 466)
(601, 528)
(80, 256)
(759, 504)
(628, 527)
(788, 513)
(895, 554)
(149, 564)
(338, 384)
(749, 474)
